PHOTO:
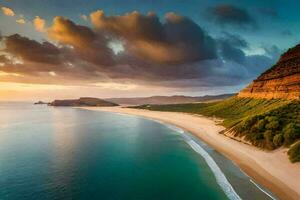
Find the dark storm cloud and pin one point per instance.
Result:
(31, 50)
(273, 51)
(226, 14)
(231, 48)
(177, 40)
(174, 53)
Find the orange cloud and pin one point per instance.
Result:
(131, 25)
(8, 11)
(176, 40)
(87, 44)
(39, 24)
(173, 52)
(66, 31)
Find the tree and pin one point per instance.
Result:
(294, 153)
(260, 125)
(273, 125)
(291, 132)
(268, 135)
(278, 140)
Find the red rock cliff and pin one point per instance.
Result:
(280, 81)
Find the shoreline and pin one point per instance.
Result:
(273, 170)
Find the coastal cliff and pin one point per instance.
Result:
(280, 81)
(83, 101)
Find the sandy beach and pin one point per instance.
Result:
(273, 170)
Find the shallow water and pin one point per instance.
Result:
(69, 153)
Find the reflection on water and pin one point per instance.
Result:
(66, 153)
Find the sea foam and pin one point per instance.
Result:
(219, 175)
(174, 128)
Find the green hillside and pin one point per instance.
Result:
(267, 124)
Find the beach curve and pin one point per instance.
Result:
(270, 169)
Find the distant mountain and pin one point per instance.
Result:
(83, 101)
(168, 99)
(280, 81)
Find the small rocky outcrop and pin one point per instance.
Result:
(280, 81)
(40, 103)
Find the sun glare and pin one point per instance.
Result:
(116, 46)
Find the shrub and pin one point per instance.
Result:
(272, 125)
(278, 140)
(294, 153)
(260, 125)
(272, 118)
(249, 122)
(268, 135)
(291, 132)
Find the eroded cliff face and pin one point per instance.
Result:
(280, 81)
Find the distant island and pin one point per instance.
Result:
(40, 103)
(82, 101)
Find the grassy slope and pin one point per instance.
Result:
(265, 123)
(232, 110)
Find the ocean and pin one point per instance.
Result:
(72, 153)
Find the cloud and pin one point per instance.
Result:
(8, 11)
(176, 40)
(3, 60)
(39, 24)
(231, 48)
(226, 14)
(83, 17)
(273, 51)
(88, 45)
(31, 50)
(67, 32)
(21, 21)
(174, 52)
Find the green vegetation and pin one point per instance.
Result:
(272, 129)
(267, 124)
(294, 152)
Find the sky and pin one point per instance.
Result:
(132, 48)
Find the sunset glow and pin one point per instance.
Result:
(138, 46)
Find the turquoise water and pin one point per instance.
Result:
(69, 153)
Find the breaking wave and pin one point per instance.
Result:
(219, 175)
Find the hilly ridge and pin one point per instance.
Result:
(265, 114)
(280, 81)
(176, 99)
